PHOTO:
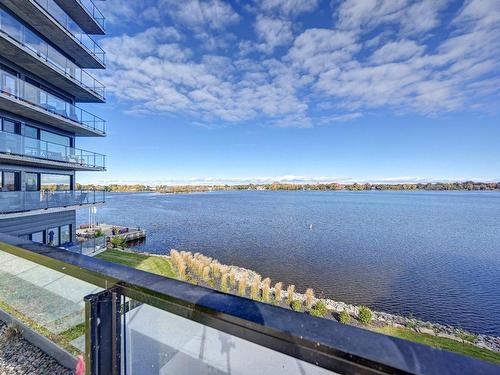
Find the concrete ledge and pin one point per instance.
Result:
(63, 357)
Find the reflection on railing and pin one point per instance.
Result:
(25, 146)
(94, 11)
(65, 21)
(12, 86)
(21, 201)
(149, 324)
(89, 246)
(14, 29)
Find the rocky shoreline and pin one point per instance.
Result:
(379, 318)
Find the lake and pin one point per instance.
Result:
(435, 255)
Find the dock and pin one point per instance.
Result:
(129, 234)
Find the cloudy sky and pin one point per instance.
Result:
(307, 90)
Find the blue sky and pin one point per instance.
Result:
(299, 90)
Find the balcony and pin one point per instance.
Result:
(46, 17)
(22, 98)
(85, 13)
(140, 323)
(34, 152)
(22, 46)
(17, 203)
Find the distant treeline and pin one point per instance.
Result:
(469, 185)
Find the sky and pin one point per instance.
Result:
(299, 91)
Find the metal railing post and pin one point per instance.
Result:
(103, 333)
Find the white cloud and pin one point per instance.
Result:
(396, 51)
(288, 7)
(273, 32)
(197, 14)
(399, 55)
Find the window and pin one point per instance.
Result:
(10, 126)
(31, 181)
(65, 234)
(55, 138)
(38, 237)
(55, 182)
(10, 181)
(53, 236)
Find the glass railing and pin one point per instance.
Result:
(21, 201)
(141, 323)
(89, 246)
(14, 29)
(25, 146)
(65, 21)
(94, 11)
(11, 85)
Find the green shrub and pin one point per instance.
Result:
(98, 233)
(296, 305)
(344, 317)
(118, 241)
(319, 309)
(365, 315)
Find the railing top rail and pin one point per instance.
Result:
(325, 343)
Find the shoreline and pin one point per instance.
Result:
(379, 318)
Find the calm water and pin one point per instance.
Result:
(435, 255)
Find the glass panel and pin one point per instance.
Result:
(38, 237)
(55, 138)
(9, 83)
(48, 301)
(53, 236)
(31, 132)
(10, 181)
(159, 342)
(55, 182)
(31, 181)
(65, 234)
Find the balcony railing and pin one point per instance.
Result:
(94, 11)
(15, 30)
(11, 85)
(65, 21)
(22, 201)
(141, 323)
(16, 144)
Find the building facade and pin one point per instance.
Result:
(46, 52)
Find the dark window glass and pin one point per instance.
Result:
(38, 237)
(65, 234)
(53, 236)
(10, 181)
(55, 182)
(10, 126)
(31, 181)
(31, 132)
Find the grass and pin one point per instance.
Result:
(154, 264)
(442, 343)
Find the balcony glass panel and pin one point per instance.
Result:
(21, 201)
(94, 11)
(48, 301)
(65, 21)
(31, 94)
(21, 34)
(164, 343)
(35, 148)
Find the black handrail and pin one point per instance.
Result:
(325, 343)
